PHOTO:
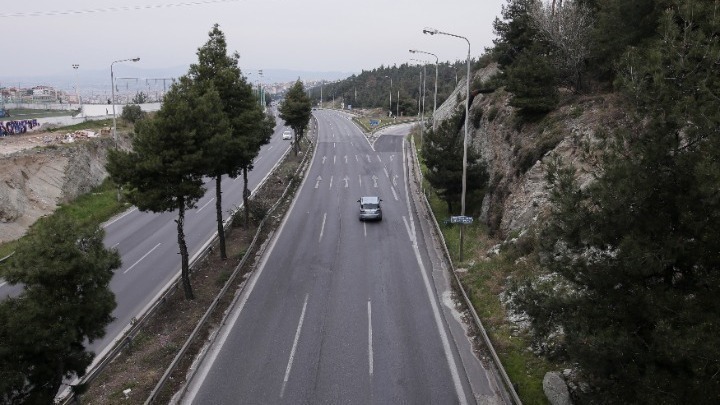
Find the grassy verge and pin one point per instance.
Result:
(95, 207)
(30, 113)
(484, 280)
(90, 125)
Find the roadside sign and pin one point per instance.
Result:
(461, 220)
(374, 123)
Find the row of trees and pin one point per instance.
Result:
(210, 124)
(633, 258)
(371, 88)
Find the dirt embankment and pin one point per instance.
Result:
(42, 170)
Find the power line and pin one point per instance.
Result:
(113, 9)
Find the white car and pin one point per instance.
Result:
(287, 134)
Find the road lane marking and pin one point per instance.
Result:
(365, 229)
(206, 204)
(436, 312)
(331, 181)
(3, 283)
(356, 158)
(370, 345)
(386, 172)
(140, 259)
(115, 245)
(294, 347)
(322, 227)
(360, 180)
(379, 158)
(334, 159)
(317, 181)
(346, 179)
(119, 218)
(394, 193)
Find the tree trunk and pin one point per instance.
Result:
(246, 197)
(298, 137)
(218, 213)
(185, 267)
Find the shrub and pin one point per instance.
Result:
(132, 113)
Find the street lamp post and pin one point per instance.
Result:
(112, 89)
(433, 31)
(422, 92)
(388, 77)
(75, 67)
(436, 80)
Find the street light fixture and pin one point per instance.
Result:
(433, 31)
(436, 80)
(112, 89)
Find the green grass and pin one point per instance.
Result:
(95, 207)
(89, 125)
(30, 113)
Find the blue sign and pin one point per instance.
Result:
(374, 123)
(461, 220)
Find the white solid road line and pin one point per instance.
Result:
(140, 259)
(431, 297)
(203, 369)
(322, 227)
(370, 343)
(119, 218)
(294, 347)
(205, 205)
(3, 283)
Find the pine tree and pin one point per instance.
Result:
(296, 111)
(164, 170)
(442, 153)
(231, 150)
(65, 271)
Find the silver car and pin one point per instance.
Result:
(370, 208)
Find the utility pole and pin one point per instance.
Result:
(164, 81)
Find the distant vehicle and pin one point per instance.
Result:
(287, 134)
(370, 208)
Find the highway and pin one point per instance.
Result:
(147, 243)
(343, 311)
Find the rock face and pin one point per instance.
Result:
(555, 389)
(517, 153)
(34, 181)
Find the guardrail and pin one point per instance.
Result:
(137, 324)
(199, 327)
(478, 323)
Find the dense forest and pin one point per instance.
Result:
(372, 88)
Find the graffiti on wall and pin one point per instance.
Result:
(17, 127)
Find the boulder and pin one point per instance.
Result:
(556, 389)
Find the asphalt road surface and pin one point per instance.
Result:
(343, 311)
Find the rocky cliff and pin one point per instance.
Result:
(517, 152)
(33, 182)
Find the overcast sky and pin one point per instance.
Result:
(46, 37)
